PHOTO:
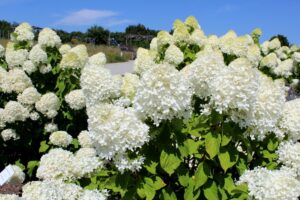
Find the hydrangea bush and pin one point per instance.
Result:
(201, 117)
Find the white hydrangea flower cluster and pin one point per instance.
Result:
(75, 99)
(271, 61)
(98, 59)
(289, 155)
(50, 127)
(9, 134)
(23, 33)
(129, 86)
(85, 140)
(15, 80)
(48, 105)
(145, 60)
(48, 38)
(123, 163)
(29, 67)
(163, 94)
(60, 138)
(58, 190)
(14, 111)
(114, 129)
(62, 164)
(231, 44)
(234, 88)
(37, 55)
(264, 184)
(10, 197)
(75, 58)
(285, 68)
(98, 84)
(290, 118)
(16, 58)
(202, 71)
(265, 112)
(163, 38)
(64, 49)
(29, 96)
(174, 55)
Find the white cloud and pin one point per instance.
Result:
(86, 17)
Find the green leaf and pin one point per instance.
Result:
(75, 143)
(31, 165)
(241, 166)
(191, 193)
(229, 184)
(226, 138)
(212, 144)
(168, 195)
(201, 175)
(211, 191)
(272, 144)
(242, 188)
(151, 167)
(189, 147)
(223, 193)
(19, 164)
(146, 189)
(184, 179)
(43, 146)
(169, 162)
(228, 158)
(268, 155)
(158, 183)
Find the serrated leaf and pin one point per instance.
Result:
(168, 195)
(228, 158)
(212, 144)
(149, 188)
(169, 162)
(151, 167)
(211, 191)
(158, 183)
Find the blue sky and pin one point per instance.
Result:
(215, 17)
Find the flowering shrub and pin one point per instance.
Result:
(201, 117)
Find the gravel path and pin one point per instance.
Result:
(120, 68)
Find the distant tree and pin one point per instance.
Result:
(64, 36)
(77, 36)
(5, 28)
(283, 40)
(136, 29)
(98, 34)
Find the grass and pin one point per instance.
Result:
(113, 54)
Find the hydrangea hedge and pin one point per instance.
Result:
(201, 117)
